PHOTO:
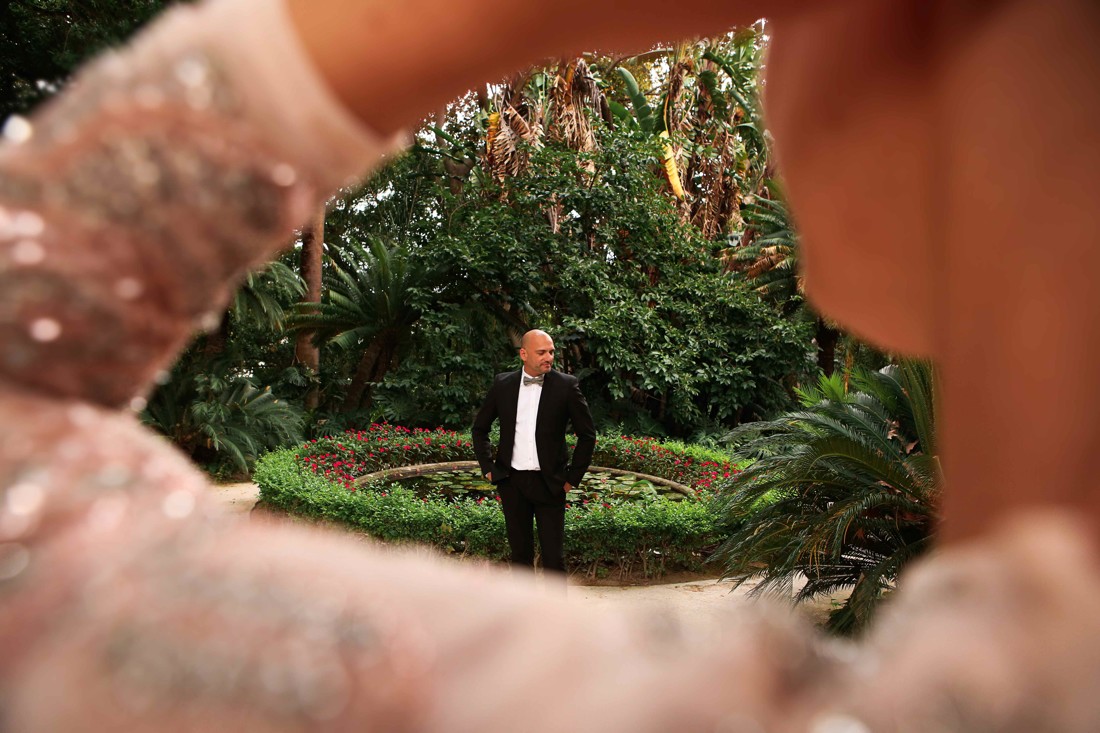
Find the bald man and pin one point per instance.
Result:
(532, 469)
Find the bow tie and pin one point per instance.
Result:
(533, 380)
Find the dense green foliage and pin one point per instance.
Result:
(536, 208)
(223, 423)
(853, 482)
(665, 340)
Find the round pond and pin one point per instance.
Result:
(598, 486)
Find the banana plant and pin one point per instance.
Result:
(647, 121)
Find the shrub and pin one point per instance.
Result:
(652, 536)
(222, 422)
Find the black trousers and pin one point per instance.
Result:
(524, 496)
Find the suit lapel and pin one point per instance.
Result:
(510, 400)
(548, 385)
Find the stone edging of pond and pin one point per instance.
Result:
(401, 472)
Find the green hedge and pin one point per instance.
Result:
(651, 537)
(391, 514)
(647, 537)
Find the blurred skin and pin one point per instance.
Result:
(941, 162)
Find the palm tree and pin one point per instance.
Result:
(516, 124)
(708, 120)
(260, 299)
(575, 101)
(258, 302)
(767, 252)
(371, 302)
(737, 97)
(221, 421)
(842, 492)
(306, 351)
(658, 124)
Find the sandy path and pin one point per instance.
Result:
(237, 498)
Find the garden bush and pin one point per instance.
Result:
(650, 536)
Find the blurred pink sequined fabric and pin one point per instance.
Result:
(129, 206)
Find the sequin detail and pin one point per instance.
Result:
(155, 185)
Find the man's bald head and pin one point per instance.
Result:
(537, 352)
(531, 336)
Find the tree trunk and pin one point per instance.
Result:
(826, 346)
(363, 372)
(305, 351)
(216, 341)
(383, 364)
(378, 360)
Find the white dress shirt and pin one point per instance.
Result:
(525, 456)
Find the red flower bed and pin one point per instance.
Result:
(344, 458)
(646, 455)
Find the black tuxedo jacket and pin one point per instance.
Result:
(561, 402)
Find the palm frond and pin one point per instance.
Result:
(842, 493)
